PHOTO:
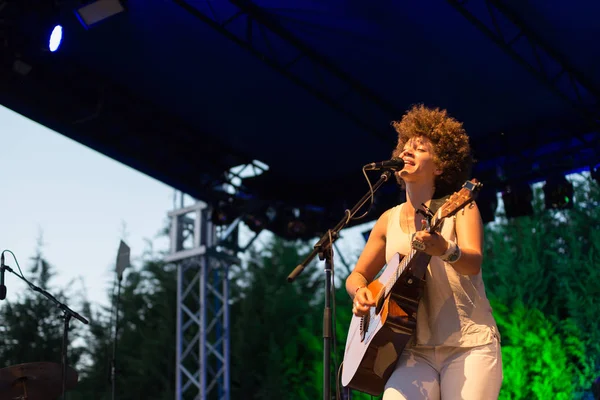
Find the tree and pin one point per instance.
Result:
(542, 358)
(146, 340)
(276, 336)
(32, 326)
(543, 269)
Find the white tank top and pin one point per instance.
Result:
(454, 309)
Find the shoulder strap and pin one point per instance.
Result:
(437, 203)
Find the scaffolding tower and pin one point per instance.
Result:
(203, 258)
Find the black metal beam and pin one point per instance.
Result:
(253, 36)
(104, 116)
(540, 52)
(575, 77)
(527, 166)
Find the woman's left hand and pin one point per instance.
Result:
(430, 243)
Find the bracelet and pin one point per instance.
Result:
(357, 289)
(452, 254)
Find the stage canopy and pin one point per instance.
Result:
(184, 90)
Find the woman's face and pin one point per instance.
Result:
(419, 161)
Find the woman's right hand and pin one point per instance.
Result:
(363, 300)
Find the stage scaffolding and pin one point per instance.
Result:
(203, 254)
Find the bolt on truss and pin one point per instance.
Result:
(202, 348)
(260, 32)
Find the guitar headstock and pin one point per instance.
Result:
(458, 200)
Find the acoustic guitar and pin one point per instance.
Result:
(375, 341)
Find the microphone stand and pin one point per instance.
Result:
(324, 248)
(67, 315)
(114, 355)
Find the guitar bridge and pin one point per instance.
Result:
(364, 326)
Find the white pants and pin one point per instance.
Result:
(447, 373)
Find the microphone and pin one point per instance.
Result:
(395, 164)
(2, 285)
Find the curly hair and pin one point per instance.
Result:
(452, 152)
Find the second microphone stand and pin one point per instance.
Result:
(324, 248)
(113, 362)
(67, 315)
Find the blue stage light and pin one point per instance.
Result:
(55, 38)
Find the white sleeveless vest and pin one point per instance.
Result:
(454, 309)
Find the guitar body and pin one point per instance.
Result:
(375, 341)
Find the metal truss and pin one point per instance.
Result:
(259, 32)
(204, 253)
(505, 28)
(202, 348)
(510, 32)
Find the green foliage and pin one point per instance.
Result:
(542, 272)
(541, 275)
(542, 358)
(32, 326)
(145, 364)
(276, 327)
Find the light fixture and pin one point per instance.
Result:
(97, 11)
(487, 202)
(296, 227)
(558, 193)
(45, 32)
(517, 200)
(259, 219)
(289, 223)
(222, 212)
(55, 38)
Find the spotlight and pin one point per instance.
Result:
(222, 213)
(296, 227)
(517, 200)
(255, 222)
(558, 193)
(55, 38)
(41, 29)
(290, 223)
(97, 11)
(259, 219)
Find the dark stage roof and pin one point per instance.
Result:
(185, 90)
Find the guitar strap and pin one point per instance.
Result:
(437, 203)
